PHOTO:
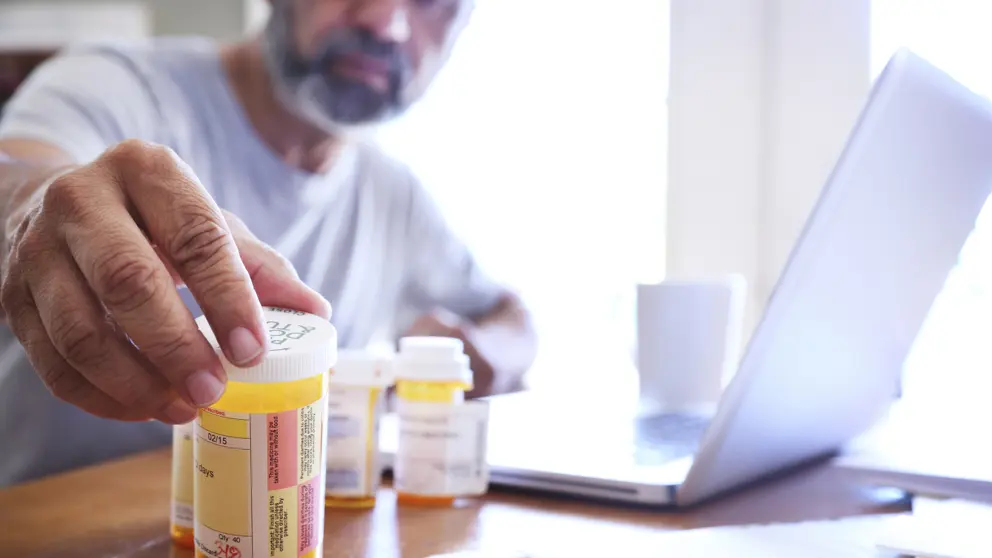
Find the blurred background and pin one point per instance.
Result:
(622, 142)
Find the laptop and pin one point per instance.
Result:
(825, 360)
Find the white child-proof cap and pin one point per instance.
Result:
(362, 369)
(301, 346)
(432, 359)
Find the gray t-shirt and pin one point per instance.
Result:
(366, 235)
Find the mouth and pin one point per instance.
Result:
(369, 70)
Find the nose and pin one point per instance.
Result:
(386, 20)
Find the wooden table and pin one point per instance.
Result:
(120, 510)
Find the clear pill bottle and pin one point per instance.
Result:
(356, 401)
(259, 451)
(181, 514)
(430, 372)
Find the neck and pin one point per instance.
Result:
(294, 140)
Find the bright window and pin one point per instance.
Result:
(952, 359)
(544, 140)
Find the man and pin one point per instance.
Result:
(232, 172)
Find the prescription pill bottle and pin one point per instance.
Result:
(431, 373)
(259, 451)
(181, 516)
(355, 404)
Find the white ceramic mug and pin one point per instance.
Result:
(688, 341)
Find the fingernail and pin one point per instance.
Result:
(325, 310)
(179, 412)
(204, 388)
(243, 346)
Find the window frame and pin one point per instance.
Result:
(771, 90)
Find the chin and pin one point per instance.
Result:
(301, 104)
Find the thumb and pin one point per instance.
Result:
(275, 280)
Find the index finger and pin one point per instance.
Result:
(187, 226)
(127, 278)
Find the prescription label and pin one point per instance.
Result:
(442, 449)
(259, 482)
(182, 476)
(353, 464)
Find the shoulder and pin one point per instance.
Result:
(112, 68)
(92, 95)
(119, 72)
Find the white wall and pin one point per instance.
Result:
(221, 19)
(763, 95)
(41, 25)
(257, 14)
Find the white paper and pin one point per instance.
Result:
(935, 529)
(941, 529)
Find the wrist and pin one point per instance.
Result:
(26, 189)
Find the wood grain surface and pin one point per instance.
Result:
(121, 509)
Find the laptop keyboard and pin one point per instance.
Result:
(663, 438)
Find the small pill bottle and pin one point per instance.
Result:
(429, 372)
(356, 401)
(259, 451)
(181, 516)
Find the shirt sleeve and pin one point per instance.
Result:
(83, 101)
(443, 273)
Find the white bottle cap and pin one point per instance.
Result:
(432, 359)
(362, 369)
(301, 346)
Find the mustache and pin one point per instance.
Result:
(343, 42)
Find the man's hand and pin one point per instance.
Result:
(90, 269)
(441, 323)
(501, 345)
